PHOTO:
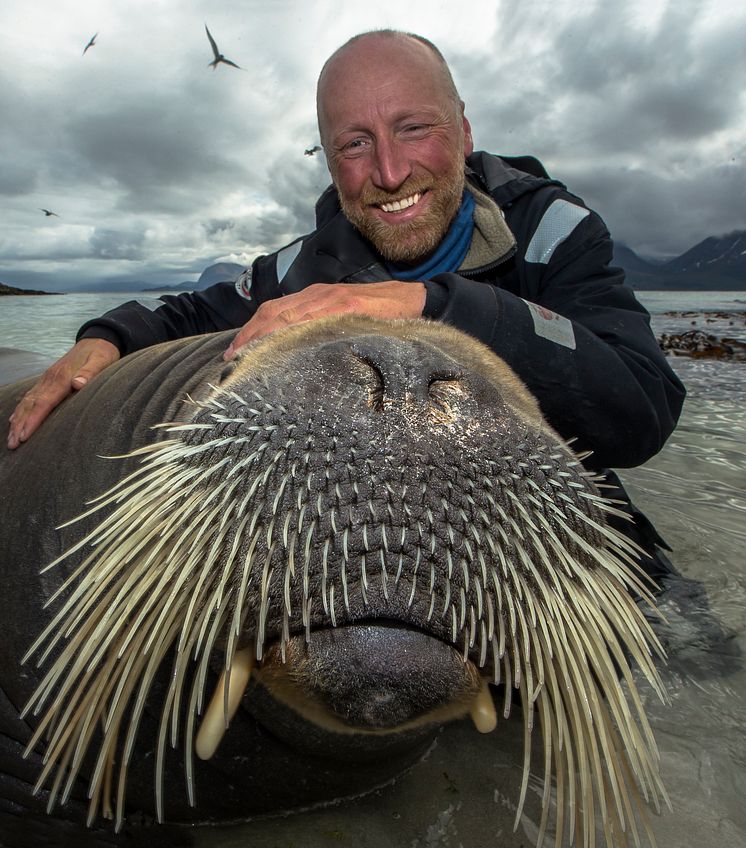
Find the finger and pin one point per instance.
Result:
(92, 368)
(258, 326)
(32, 411)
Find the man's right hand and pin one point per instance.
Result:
(74, 370)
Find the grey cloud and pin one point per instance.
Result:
(21, 180)
(296, 182)
(117, 244)
(663, 215)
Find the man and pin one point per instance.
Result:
(496, 248)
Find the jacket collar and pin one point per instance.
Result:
(336, 251)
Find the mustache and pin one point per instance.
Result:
(374, 197)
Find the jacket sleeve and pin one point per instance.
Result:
(582, 344)
(140, 323)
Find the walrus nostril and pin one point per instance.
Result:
(404, 372)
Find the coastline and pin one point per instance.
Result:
(12, 290)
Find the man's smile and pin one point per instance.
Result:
(399, 205)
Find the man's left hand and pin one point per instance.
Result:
(389, 299)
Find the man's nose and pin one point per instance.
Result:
(392, 165)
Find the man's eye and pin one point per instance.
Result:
(355, 147)
(416, 129)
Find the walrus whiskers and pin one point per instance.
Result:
(237, 551)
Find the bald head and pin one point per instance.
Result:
(363, 55)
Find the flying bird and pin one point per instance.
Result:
(218, 55)
(48, 213)
(311, 150)
(90, 44)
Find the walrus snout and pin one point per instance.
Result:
(404, 371)
(371, 677)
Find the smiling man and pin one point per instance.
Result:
(418, 224)
(397, 155)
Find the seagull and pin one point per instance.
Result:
(311, 150)
(48, 213)
(218, 55)
(90, 44)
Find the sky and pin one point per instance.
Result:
(158, 166)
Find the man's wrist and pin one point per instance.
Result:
(100, 331)
(436, 298)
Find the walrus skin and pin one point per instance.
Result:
(340, 535)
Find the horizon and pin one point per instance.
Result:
(145, 285)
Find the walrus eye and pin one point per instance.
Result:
(227, 371)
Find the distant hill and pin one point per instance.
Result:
(220, 272)
(715, 264)
(14, 290)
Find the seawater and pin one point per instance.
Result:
(693, 491)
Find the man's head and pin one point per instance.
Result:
(395, 137)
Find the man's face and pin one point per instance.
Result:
(395, 140)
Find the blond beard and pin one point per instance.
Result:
(413, 240)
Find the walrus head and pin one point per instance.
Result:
(373, 520)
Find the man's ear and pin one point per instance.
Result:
(468, 140)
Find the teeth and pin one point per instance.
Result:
(398, 205)
(483, 710)
(218, 715)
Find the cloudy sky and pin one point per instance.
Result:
(157, 166)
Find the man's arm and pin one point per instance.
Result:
(122, 330)
(138, 324)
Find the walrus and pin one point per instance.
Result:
(278, 578)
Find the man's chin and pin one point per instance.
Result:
(404, 243)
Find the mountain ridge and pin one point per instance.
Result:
(717, 263)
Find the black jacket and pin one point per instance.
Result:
(552, 308)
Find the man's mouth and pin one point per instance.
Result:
(401, 205)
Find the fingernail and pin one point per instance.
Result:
(80, 381)
(229, 353)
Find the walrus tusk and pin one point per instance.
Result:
(219, 713)
(482, 711)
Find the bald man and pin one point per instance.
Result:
(416, 223)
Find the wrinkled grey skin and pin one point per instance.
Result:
(390, 439)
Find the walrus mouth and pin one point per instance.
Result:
(382, 484)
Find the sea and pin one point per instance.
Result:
(695, 494)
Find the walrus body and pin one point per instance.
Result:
(368, 522)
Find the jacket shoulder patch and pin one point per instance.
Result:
(285, 259)
(243, 284)
(556, 224)
(549, 325)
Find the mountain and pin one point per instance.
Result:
(715, 264)
(220, 272)
(726, 254)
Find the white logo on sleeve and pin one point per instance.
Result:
(243, 284)
(550, 325)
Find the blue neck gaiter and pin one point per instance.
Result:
(450, 253)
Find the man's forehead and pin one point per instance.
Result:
(374, 52)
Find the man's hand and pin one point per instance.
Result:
(80, 364)
(389, 299)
